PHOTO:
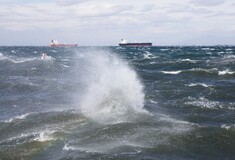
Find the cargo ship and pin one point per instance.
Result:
(134, 44)
(55, 43)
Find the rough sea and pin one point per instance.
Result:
(133, 103)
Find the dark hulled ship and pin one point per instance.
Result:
(134, 44)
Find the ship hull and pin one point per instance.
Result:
(63, 45)
(135, 44)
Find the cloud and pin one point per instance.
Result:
(50, 15)
(175, 8)
(69, 2)
(207, 2)
(104, 21)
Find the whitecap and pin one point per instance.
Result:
(20, 138)
(203, 103)
(225, 72)
(149, 55)
(9, 121)
(68, 148)
(206, 49)
(44, 136)
(229, 52)
(65, 66)
(188, 60)
(31, 136)
(164, 49)
(230, 56)
(198, 84)
(212, 70)
(23, 116)
(153, 102)
(153, 63)
(23, 60)
(88, 149)
(171, 72)
(2, 57)
(47, 58)
(227, 127)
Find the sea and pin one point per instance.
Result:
(117, 103)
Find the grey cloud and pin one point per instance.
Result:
(207, 2)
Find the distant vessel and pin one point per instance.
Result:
(134, 44)
(55, 43)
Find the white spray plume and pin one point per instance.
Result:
(114, 93)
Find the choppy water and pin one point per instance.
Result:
(117, 103)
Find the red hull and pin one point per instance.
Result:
(63, 45)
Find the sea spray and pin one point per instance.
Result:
(113, 93)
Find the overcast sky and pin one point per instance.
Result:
(105, 22)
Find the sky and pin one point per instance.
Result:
(105, 22)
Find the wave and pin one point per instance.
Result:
(23, 60)
(23, 116)
(153, 102)
(188, 60)
(204, 103)
(114, 92)
(191, 70)
(225, 72)
(198, 84)
(149, 55)
(22, 138)
(17, 60)
(208, 49)
(44, 136)
(171, 72)
(228, 127)
(229, 56)
(68, 148)
(164, 49)
(212, 70)
(221, 52)
(147, 133)
(2, 57)
(48, 58)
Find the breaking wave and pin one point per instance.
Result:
(114, 92)
(171, 72)
(227, 71)
(17, 60)
(198, 84)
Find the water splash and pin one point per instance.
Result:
(114, 93)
